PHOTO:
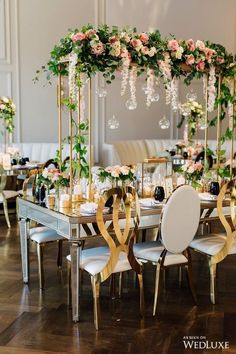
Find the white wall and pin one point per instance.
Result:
(30, 28)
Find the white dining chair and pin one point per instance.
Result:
(179, 223)
(117, 256)
(218, 246)
(5, 195)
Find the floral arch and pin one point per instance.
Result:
(84, 52)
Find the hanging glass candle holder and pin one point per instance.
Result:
(131, 104)
(155, 97)
(191, 96)
(164, 123)
(202, 124)
(113, 123)
(101, 92)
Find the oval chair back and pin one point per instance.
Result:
(180, 219)
(3, 179)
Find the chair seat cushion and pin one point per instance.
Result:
(211, 244)
(42, 234)
(8, 195)
(93, 260)
(151, 251)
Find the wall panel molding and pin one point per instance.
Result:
(5, 32)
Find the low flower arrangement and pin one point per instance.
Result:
(192, 172)
(7, 112)
(52, 176)
(116, 173)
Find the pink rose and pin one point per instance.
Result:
(145, 50)
(97, 48)
(190, 59)
(144, 37)
(123, 53)
(136, 43)
(208, 53)
(79, 36)
(200, 65)
(190, 45)
(173, 45)
(200, 45)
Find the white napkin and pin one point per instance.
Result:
(90, 208)
(207, 196)
(148, 202)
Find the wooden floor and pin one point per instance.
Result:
(40, 322)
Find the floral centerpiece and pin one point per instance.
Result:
(7, 112)
(192, 172)
(192, 114)
(116, 174)
(52, 176)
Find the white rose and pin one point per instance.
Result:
(5, 99)
(124, 170)
(191, 169)
(152, 51)
(2, 106)
(115, 173)
(179, 53)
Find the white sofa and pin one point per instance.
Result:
(134, 151)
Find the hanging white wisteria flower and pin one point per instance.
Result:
(165, 69)
(231, 107)
(125, 75)
(73, 88)
(82, 97)
(174, 94)
(211, 89)
(132, 84)
(150, 86)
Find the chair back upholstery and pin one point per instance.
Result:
(119, 240)
(227, 192)
(180, 219)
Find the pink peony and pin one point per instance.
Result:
(200, 45)
(190, 45)
(200, 65)
(173, 45)
(136, 43)
(79, 36)
(190, 59)
(144, 38)
(97, 48)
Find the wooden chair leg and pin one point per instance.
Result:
(120, 284)
(212, 281)
(59, 253)
(40, 249)
(190, 282)
(180, 275)
(96, 288)
(113, 285)
(6, 212)
(142, 306)
(157, 280)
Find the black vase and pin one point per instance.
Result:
(214, 188)
(159, 193)
(40, 194)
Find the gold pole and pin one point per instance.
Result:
(90, 138)
(206, 125)
(218, 128)
(79, 122)
(59, 115)
(71, 167)
(232, 140)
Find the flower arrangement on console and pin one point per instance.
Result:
(52, 176)
(192, 114)
(192, 172)
(7, 112)
(116, 174)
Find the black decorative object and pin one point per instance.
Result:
(214, 188)
(159, 193)
(22, 161)
(185, 155)
(13, 162)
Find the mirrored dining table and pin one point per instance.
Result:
(70, 224)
